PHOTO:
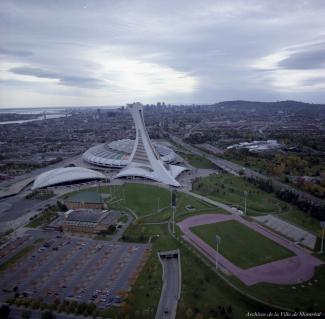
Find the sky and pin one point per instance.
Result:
(113, 52)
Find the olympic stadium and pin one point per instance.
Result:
(117, 154)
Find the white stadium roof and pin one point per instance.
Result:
(117, 153)
(64, 175)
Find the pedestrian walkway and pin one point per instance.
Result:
(227, 208)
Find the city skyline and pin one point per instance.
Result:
(110, 53)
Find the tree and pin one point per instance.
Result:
(189, 313)
(26, 314)
(229, 309)
(4, 311)
(48, 315)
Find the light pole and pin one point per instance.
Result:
(218, 241)
(158, 204)
(322, 225)
(173, 205)
(245, 194)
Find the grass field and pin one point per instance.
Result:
(43, 219)
(241, 245)
(199, 161)
(150, 203)
(205, 293)
(230, 190)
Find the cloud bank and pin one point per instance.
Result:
(99, 52)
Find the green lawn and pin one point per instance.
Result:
(107, 238)
(43, 219)
(149, 202)
(241, 245)
(203, 293)
(230, 190)
(197, 161)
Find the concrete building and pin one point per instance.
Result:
(88, 220)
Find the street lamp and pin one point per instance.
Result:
(245, 194)
(218, 241)
(322, 225)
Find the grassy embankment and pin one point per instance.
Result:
(230, 190)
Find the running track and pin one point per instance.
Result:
(292, 270)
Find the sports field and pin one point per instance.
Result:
(241, 245)
(151, 203)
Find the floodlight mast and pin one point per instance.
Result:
(322, 225)
(245, 194)
(173, 205)
(218, 241)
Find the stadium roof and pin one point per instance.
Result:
(117, 153)
(65, 175)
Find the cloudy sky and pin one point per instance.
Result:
(112, 52)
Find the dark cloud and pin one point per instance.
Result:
(82, 82)
(215, 42)
(15, 53)
(77, 81)
(311, 58)
(39, 73)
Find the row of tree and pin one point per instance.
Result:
(311, 208)
(25, 314)
(86, 309)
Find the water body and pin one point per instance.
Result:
(38, 118)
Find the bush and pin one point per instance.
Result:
(48, 315)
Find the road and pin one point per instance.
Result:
(235, 169)
(18, 183)
(171, 285)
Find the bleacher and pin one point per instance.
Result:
(291, 231)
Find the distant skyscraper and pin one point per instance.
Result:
(145, 161)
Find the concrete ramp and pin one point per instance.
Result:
(171, 290)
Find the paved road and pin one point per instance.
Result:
(234, 169)
(214, 203)
(171, 285)
(17, 184)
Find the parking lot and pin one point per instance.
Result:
(70, 268)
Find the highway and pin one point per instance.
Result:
(171, 285)
(235, 169)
